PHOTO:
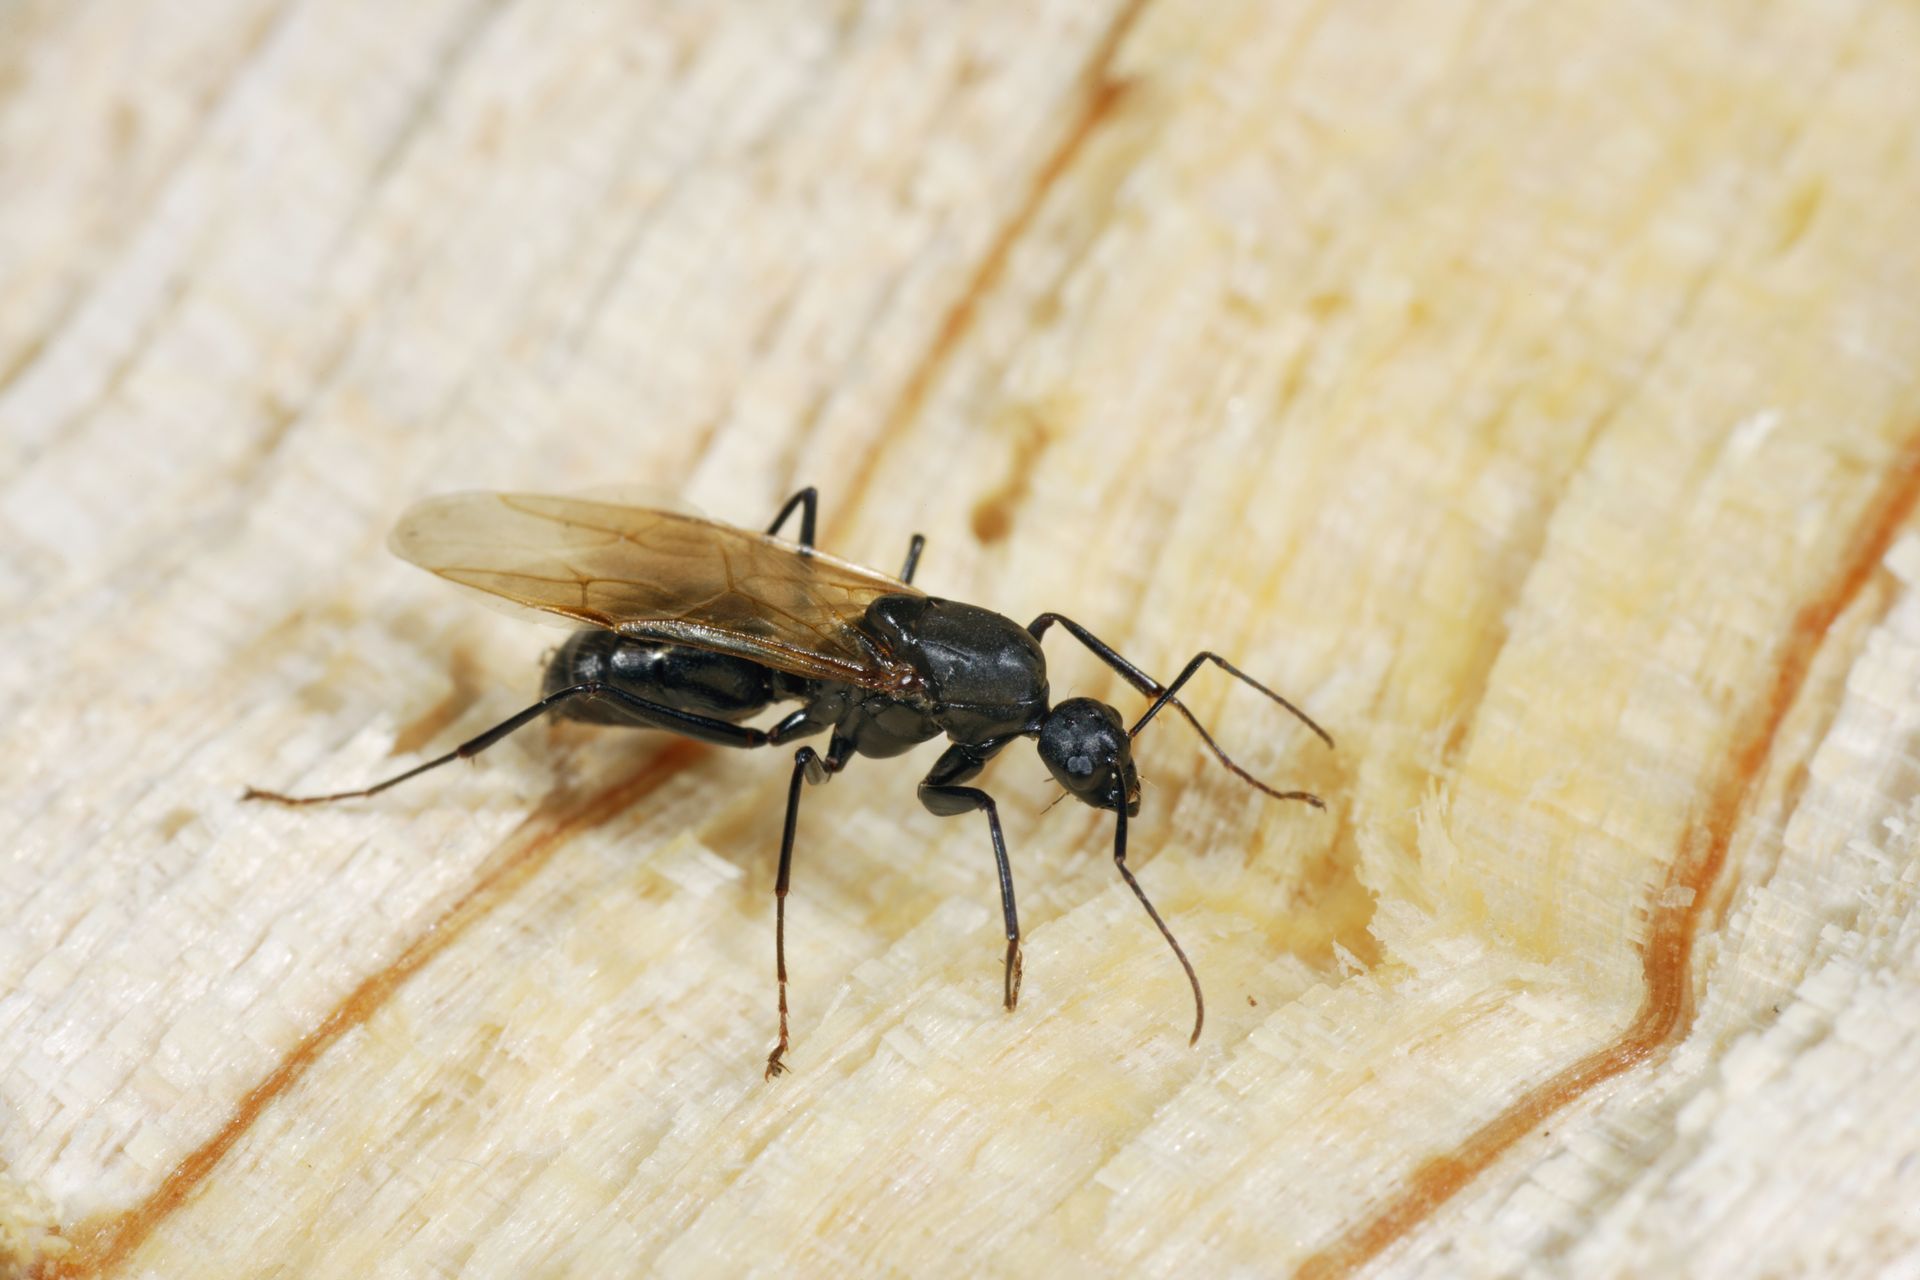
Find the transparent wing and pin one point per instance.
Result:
(664, 575)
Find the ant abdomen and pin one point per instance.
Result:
(696, 680)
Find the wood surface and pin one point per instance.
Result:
(1532, 391)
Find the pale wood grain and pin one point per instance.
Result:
(1531, 391)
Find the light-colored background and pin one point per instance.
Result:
(1532, 390)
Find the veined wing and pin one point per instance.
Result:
(663, 575)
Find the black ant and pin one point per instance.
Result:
(694, 626)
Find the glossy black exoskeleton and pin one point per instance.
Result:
(875, 664)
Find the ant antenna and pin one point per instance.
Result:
(1186, 674)
(1120, 860)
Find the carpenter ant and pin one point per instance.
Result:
(693, 626)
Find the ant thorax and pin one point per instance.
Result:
(983, 675)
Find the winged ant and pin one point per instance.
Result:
(692, 626)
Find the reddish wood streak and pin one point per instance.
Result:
(1665, 1014)
(101, 1246)
(1102, 94)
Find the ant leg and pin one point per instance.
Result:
(1152, 688)
(1105, 652)
(1208, 655)
(813, 769)
(948, 801)
(942, 797)
(797, 724)
(808, 501)
(672, 719)
(915, 545)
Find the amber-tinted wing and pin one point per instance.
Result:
(665, 575)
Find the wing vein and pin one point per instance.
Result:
(658, 574)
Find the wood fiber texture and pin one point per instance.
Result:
(1530, 390)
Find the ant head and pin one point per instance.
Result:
(1086, 748)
